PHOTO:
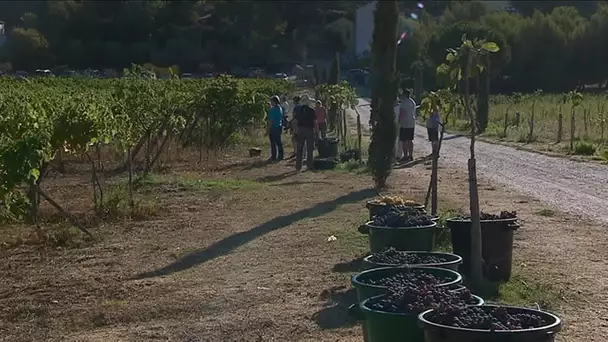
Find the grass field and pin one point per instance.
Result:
(590, 129)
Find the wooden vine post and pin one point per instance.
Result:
(445, 102)
(576, 99)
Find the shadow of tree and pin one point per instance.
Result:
(455, 136)
(335, 313)
(274, 178)
(355, 265)
(229, 243)
(300, 183)
(413, 163)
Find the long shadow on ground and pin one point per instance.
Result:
(301, 183)
(335, 313)
(228, 244)
(275, 178)
(355, 265)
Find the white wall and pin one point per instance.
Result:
(364, 28)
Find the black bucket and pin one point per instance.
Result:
(328, 148)
(497, 246)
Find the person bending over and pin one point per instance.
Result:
(306, 123)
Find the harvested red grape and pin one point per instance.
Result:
(486, 318)
(401, 217)
(414, 299)
(503, 215)
(413, 277)
(392, 256)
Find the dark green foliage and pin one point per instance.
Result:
(452, 36)
(384, 92)
(551, 45)
(317, 79)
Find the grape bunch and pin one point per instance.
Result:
(485, 318)
(411, 277)
(401, 216)
(392, 256)
(394, 200)
(503, 215)
(414, 299)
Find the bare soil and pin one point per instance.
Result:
(241, 253)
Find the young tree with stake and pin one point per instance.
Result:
(463, 64)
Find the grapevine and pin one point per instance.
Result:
(45, 119)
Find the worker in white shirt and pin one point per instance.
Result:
(407, 125)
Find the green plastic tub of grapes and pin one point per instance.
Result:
(391, 257)
(375, 207)
(415, 238)
(376, 281)
(383, 326)
(492, 323)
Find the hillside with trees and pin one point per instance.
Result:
(551, 45)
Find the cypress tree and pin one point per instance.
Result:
(317, 79)
(334, 77)
(384, 91)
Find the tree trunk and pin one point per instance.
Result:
(476, 257)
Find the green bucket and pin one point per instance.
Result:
(365, 290)
(380, 326)
(402, 238)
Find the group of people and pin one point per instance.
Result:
(405, 114)
(308, 123)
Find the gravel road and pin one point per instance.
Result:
(574, 187)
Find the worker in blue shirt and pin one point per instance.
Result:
(275, 128)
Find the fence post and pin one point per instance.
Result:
(585, 118)
(531, 123)
(358, 130)
(600, 113)
(572, 128)
(560, 125)
(517, 119)
(504, 132)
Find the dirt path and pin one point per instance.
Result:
(563, 252)
(569, 186)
